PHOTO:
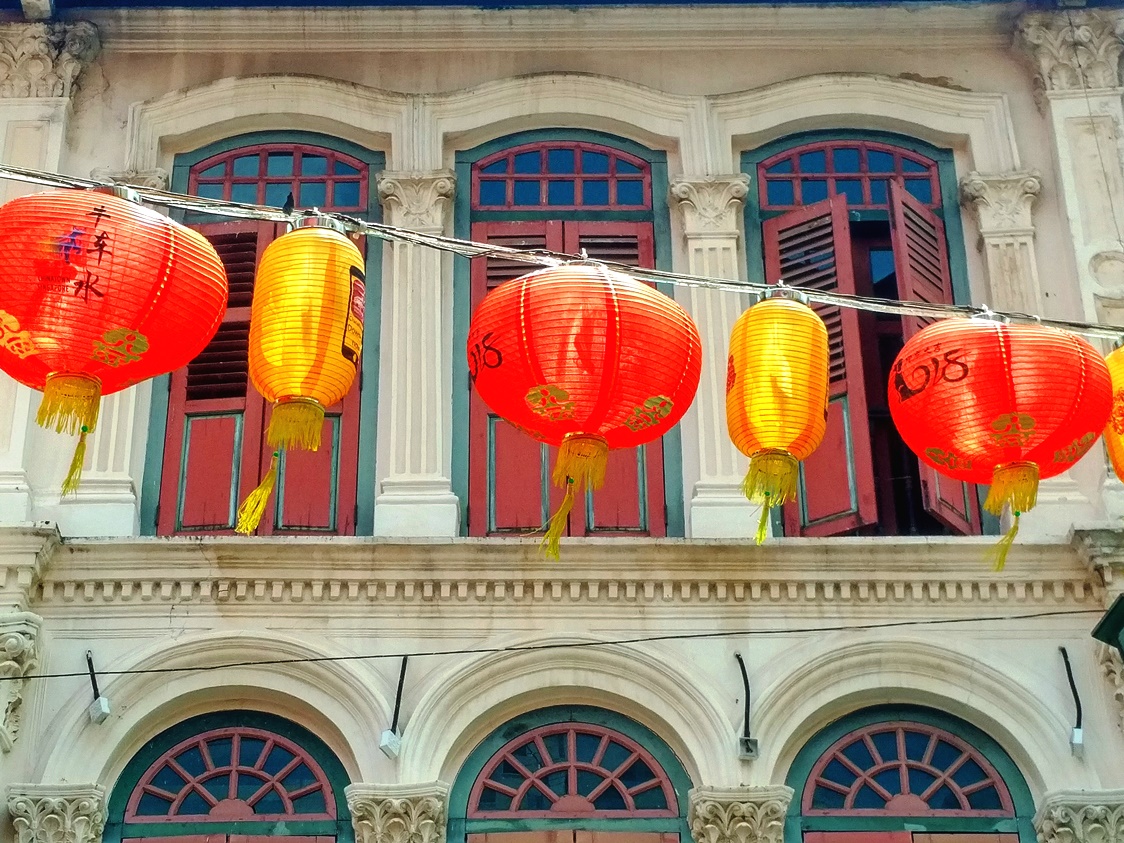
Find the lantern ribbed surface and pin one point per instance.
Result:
(586, 359)
(776, 396)
(1114, 430)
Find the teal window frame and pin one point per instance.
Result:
(1022, 823)
(369, 377)
(116, 829)
(464, 216)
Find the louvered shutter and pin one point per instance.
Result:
(811, 248)
(921, 265)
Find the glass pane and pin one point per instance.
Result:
(558, 782)
(626, 167)
(630, 192)
(493, 192)
(299, 778)
(614, 756)
(247, 193)
(587, 781)
(219, 750)
(528, 756)
(248, 785)
(310, 803)
(910, 166)
(194, 804)
(278, 758)
(169, 780)
(883, 275)
(890, 780)
(527, 192)
(919, 781)
(209, 191)
(493, 800)
(342, 168)
(556, 746)
(314, 165)
(824, 798)
(845, 160)
(192, 761)
(215, 171)
(277, 193)
(944, 755)
(560, 193)
(246, 165)
(528, 162)
(852, 189)
(920, 189)
(249, 751)
(879, 192)
(867, 797)
(587, 747)
(560, 161)
(887, 745)
(651, 799)
(812, 190)
(218, 786)
(279, 164)
(313, 194)
(985, 800)
(153, 806)
(637, 773)
(345, 194)
(507, 774)
(813, 162)
(944, 800)
(784, 166)
(859, 755)
(780, 193)
(496, 167)
(879, 162)
(610, 800)
(534, 800)
(837, 772)
(969, 773)
(915, 742)
(595, 192)
(595, 162)
(270, 803)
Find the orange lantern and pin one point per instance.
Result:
(776, 396)
(587, 360)
(306, 338)
(1114, 430)
(985, 402)
(98, 293)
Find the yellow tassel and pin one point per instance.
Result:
(998, 554)
(771, 481)
(296, 424)
(251, 510)
(74, 475)
(70, 403)
(551, 544)
(1013, 485)
(582, 459)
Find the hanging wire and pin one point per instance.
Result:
(546, 257)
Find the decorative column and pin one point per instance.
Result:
(1081, 816)
(57, 813)
(710, 206)
(42, 62)
(738, 814)
(1112, 669)
(415, 496)
(403, 813)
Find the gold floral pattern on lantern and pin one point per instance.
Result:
(119, 346)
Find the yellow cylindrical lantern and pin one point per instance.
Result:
(1114, 430)
(306, 338)
(776, 396)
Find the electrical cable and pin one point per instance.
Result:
(546, 257)
(566, 645)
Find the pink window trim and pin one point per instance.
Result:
(543, 177)
(568, 808)
(193, 784)
(931, 173)
(944, 777)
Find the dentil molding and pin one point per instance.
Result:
(738, 814)
(1112, 668)
(44, 59)
(710, 204)
(1073, 49)
(1003, 202)
(156, 178)
(1081, 816)
(19, 655)
(411, 813)
(70, 813)
(418, 201)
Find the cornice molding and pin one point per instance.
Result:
(1081, 816)
(738, 814)
(410, 813)
(63, 813)
(44, 59)
(24, 553)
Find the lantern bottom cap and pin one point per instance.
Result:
(296, 424)
(70, 403)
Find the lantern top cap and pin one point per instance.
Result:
(318, 220)
(121, 191)
(780, 290)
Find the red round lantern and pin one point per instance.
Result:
(587, 360)
(1005, 405)
(98, 293)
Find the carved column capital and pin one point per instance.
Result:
(1002, 201)
(156, 178)
(1112, 669)
(64, 813)
(409, 813)
(1102, 551)
(1081, 816)
(710, 204)
(44, 59)
(19, 655)
(738, 814)
(418, 201)
(1074, 49)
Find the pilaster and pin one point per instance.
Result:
(402, 813)
(415, 495)
(1081, 816)
(738, 814)
(19, 655)
(710, 207)
(57, 813)
(1112, 669)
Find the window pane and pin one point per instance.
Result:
(556, 746)
(852, 189)
(630, 192)
(867, 797)
(944, 800)
(496, 167)
(345, 194)
(919, 781)
(493, 192)
(276, 194)
(534, 800)
(845, 160)
(558, 782)
(244, 193)
(626, 167)
(587, 781)
(780, 192)
(858, 754)
(560, 193)
(610, 800)
(784, 166)
(837, 772)
(153, 806)
(985, 800)
(169, 780)
(218, 786)
(560, 161)
(250, 750)
(270, 804)
(217, 171)
(879, 162)
(637, 773)
(310, 803)
(528, 756)
(507, 773)
(528, 162)
(824, 798)
(493, 800)
(313, 194)
(910, 166)
(595, 162)
(969, 773)
(887, 745)
(920, 189)
(314, 165)
(586, 747)
(650, 799)
(812, 190)
(278, 759)
(813, 162)
(279, 164)
(915, 742)
(194, 804)
(890, 780)
(944, 755)
(527, 192)
(879, 192)
(884, 278)
(209, 191)
(614, 756)
(300, 777)
(219, 750)
(246, 165)
(342, 168)
(595, 193)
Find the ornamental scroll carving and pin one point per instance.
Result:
(1112, 668)
(44, 59)
(1081, 816)
(399, 813)
(710, 204)
(156, 178)
(57, 813)
(19, 636)
(738, 814)
(1073, 49)
(418, 201)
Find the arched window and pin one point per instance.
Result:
(231, 774)
(874, 215)
(894, 774)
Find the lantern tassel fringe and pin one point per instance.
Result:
(581, 462)
(771, 481)
(296, 424)
(70, 404)
(1014, 485)
(251, 510)
(74, 474)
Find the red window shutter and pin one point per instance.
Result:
(921, 266)
(811, 248)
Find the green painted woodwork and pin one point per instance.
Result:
(1110, 629)
(464, 216)
(796, 824)
(369, 374)
(116, 829)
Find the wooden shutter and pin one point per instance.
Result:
(921, 266)
(811, 248)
